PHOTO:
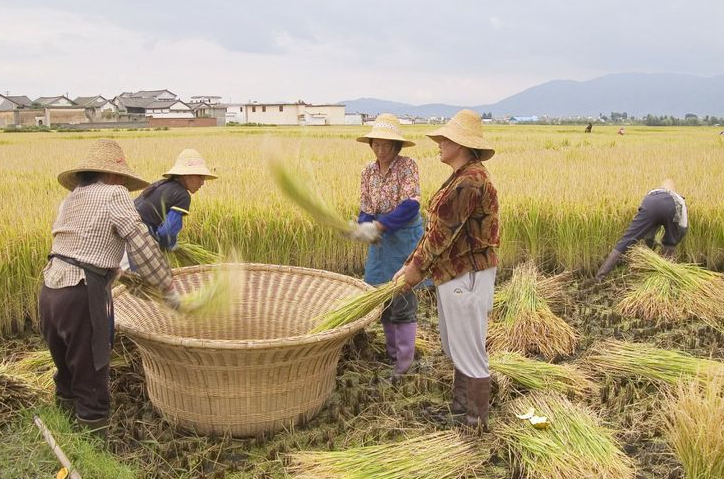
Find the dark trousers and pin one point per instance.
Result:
(66, 326)
(657, 210)
(401, 309)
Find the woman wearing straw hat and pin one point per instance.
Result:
(458, 251)
(163, 205)
(96, 223)
(390, 222)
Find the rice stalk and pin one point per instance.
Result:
(574, 445)
(665, 291)
(536, 375)
(622, 359)
(438, 455)
(693, 418)
(188, 253)
(522, 320)
(356, 307)
(289, 183)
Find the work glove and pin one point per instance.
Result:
(365, 232)
(171, 298)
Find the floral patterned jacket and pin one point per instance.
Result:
(462, 230)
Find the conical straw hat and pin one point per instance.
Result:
(466, 129)
(190, 162)
(104, 156)
(386, 127)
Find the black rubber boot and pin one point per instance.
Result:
(98, 428)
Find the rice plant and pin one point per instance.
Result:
(522, 319)
(574, 445)
(533, 375)
(665, 291)
(438, 455)
(622, 359)
(693, 418)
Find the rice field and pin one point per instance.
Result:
(565, 199)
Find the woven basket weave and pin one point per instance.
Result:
(253, 369)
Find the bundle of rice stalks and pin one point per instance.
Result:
(438, 455)
(666, 291)
(693, 418)
(574, 444)
(18, 392)
(622, 359)
(356, 307)
(522, 319)
(188, 254)
(540, 376)
(289, 183)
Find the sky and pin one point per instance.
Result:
(459, 52)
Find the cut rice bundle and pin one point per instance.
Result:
(189, 254)
(622, 359)
(357, 307)
(438, 455)
(522, 320)
(536, 375)
(665, 291)
(574, 444)
(298, 192)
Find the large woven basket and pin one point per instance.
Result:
(252, 370)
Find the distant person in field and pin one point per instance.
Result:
(589, 127)
(661, 208)
(621, 131)
(390, 222)
(96, 223)
(458, 252)
(165, 203)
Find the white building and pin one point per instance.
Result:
(297, 114)
(353, 118)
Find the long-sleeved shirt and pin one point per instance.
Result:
(462, 230)
(95, 224)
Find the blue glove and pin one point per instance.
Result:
(168, 231)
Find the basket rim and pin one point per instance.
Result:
(276, 343)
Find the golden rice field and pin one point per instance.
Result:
(565, 196)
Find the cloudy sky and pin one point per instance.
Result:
(462, 52)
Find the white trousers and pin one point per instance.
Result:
(463, 304)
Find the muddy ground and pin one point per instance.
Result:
(367, 408)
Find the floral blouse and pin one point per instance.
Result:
(382, 194)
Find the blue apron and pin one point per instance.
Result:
(387, 257)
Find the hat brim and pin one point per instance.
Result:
(69, 179)
(486, 152)
(182, 172)
(382, 136)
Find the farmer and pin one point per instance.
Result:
(458, 251)
(589, 127)
(621, 131)
(95, 224)
(661, 207)
(390, 222)
(164, 204)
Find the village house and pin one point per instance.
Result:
(53, 101)
(153, 103)
(299, 113)
(97, 108)
(209, 107)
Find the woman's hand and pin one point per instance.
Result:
(412, 274)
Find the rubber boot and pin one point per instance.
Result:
(668, 252)
(478, 398)
(98, 428)
(404, 346)
(389, 329)
(609, 263)
(67, 406)
(459, 402)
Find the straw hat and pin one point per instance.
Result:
(668, 184)
(104, 156)
(190, 162)
(466, 129)
(386, 127)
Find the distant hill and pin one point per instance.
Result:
(638, 94)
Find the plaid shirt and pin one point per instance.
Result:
(462, 229)
(382, 194)
(95, 224)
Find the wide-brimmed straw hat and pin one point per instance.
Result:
(466, 129)
(104, 156)
(386, 127)
(190, 162)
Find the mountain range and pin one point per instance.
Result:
(637, 94)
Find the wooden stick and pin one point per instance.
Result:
(56, 448)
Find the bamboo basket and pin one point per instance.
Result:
(252, 369)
